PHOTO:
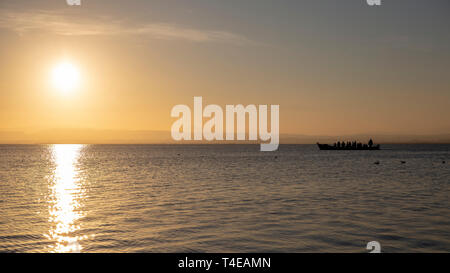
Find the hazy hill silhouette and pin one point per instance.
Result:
(92, 136)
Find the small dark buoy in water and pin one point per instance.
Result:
(376, 162)
(443, 161)
(403, 162)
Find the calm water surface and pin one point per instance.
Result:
(223, 198)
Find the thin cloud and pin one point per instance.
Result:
(25, 22)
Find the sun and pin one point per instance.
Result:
(65, 77)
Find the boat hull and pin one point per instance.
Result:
(334, 148)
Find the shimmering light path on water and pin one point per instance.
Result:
(232, 198)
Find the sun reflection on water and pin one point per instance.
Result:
(66, 192)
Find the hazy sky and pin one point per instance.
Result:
(334, 67)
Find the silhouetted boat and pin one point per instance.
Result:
(363, 147)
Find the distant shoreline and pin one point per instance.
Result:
(205, 144)
(94, 136)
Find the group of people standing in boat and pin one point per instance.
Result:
(353, 144)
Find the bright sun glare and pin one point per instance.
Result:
(65, 77)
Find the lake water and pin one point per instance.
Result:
(223, 198)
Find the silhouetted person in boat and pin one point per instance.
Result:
(370, 143)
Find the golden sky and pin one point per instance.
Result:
(333, 68)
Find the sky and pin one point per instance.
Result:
(334, 67)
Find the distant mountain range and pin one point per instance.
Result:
(93, 136)
(377, 138)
